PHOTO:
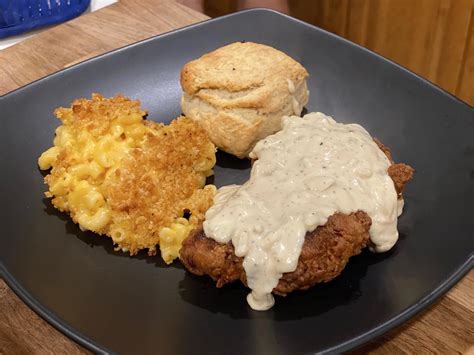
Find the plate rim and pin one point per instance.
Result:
(72, 333)
(53, 319)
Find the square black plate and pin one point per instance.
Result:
(137, 305)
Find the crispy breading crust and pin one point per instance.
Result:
(399, 172)
(324, 254)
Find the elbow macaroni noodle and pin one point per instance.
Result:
(119, 175)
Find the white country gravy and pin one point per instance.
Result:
(303, 174)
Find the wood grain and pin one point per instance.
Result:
(433, 38)
(447, 327)
(465, 85)
(23, 332)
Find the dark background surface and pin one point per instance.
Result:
(137, 305)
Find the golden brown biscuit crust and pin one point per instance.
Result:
(249, 72)
(238, 93)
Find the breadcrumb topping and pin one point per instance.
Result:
(120, 175)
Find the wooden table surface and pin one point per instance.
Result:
(446, 327)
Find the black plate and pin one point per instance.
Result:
(137, 305)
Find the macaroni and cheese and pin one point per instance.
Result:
(130, 179)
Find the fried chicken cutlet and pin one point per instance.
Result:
(297, 232)
(128, 178)
(324, 254)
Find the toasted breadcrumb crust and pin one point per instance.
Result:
(157, 175)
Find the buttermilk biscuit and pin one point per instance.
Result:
(238, 93)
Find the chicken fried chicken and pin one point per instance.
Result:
(324, 254)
